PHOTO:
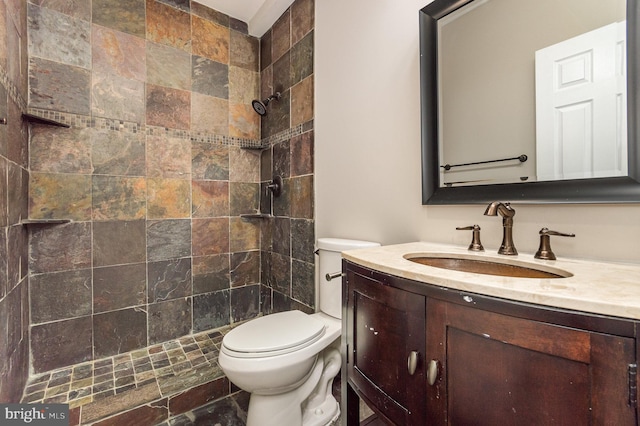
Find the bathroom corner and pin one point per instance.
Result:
(14, 174)
(136, 237)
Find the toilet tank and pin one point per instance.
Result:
(329, 262)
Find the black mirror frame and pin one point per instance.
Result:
(586, 191)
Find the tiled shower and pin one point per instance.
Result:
(126, 229)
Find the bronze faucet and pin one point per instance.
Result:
(544, 251)
(507, 212)
(475, 245)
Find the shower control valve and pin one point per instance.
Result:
(275, 186)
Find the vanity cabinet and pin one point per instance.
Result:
(386, 342)
(498, 368)
(492, 361)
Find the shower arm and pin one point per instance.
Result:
(261, 106)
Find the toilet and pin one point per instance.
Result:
(287, 361)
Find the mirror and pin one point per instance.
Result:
(454, 106)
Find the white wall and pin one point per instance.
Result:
(367, 147)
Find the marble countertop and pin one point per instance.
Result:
(595, 287)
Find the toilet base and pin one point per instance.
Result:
(312, 404)
(285, 410)
(323, 415)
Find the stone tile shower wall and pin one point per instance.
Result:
(286, 66)
(154, 175)
(14, 178)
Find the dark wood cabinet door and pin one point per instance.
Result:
(386, 325)
(497, 369)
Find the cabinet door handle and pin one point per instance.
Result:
(432, 372)
(412, 362)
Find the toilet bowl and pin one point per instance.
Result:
(288, 360)
(281, 379)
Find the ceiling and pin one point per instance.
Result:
(260, 15)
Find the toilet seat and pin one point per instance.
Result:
(272, 335)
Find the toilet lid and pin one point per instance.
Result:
(281, 332)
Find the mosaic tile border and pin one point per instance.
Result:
(83, 121)
(12, 90)
(285, 135)
(224, 140)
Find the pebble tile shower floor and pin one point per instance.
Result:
(178, 382)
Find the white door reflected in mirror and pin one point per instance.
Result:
(581, 106)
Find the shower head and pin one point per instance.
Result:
(261, 106)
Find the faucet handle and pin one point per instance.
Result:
(544, 251)
(475, 245)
